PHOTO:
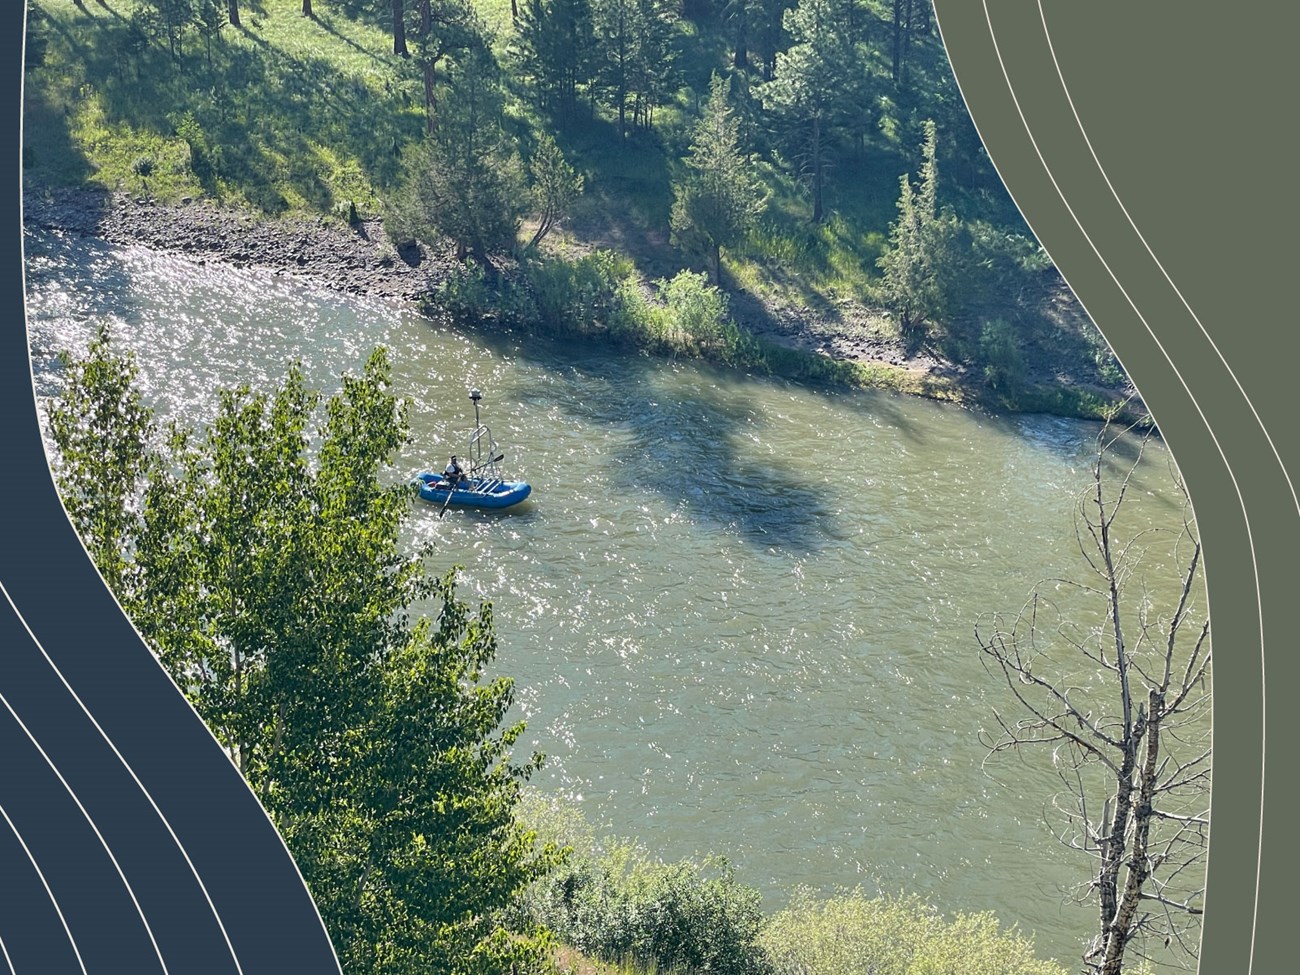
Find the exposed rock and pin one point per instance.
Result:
(354, 260)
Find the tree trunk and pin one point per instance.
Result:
(430, 95)
(232, 13)
(399, 29)
(898, 40)
(817, 170)
(306, 8)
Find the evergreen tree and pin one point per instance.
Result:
(555, 186)
(556, 39)
(717, 199)
(815, 81)
(920, 259)
(464, 182)
(635, 57)
(210, 22)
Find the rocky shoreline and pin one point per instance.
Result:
(355, 259)
(359, 259)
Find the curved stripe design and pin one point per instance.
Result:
(1013, 70)
(190, 875)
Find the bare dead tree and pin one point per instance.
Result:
(1121, 701)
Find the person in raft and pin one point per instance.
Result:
(453, 475)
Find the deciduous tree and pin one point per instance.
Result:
(266, 569)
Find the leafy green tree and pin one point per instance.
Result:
(718, 198)
(264, 566)
(464, 182)
(556, 185)
(815, 82)
(103, 429)
(920, 260)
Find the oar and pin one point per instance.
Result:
(497, 459)
(451, 489)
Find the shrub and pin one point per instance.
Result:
(853, 935)
(577, 295)
(1000, 354)
(696, 309)
(617, 904)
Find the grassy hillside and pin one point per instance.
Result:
(293, 114)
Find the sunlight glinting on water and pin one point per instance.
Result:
(739, 614)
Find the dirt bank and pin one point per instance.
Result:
(361, 260)
(356, 260)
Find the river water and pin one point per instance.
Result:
(740, 613)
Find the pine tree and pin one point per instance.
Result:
(920, 260)
(556, 40)
(718, 198)
(816, 80)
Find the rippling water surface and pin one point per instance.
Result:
(740, 613)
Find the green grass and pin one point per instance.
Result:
(310, 115)
(292, 114)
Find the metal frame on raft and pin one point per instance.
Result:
(484, 485)
(482, 433)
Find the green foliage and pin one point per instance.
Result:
(103, 429)
(718, 199)
(580, 295)
(616, 903)
(555, 51)
(464, 182)
(818, 79)
(697, 310)
(919, 266)
(37, 38)
(555, 186)
(635, 57)
(853, 935)
(1000, 355)
(264, 566)
(287, 102)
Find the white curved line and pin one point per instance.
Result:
(131, 772)
(5, 951)
(1259, 858)
(1101, 169)
(22, 250)
(1209, 428)
(44, 883)
(59, 775)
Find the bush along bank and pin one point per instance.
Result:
(619, 906)
(599, 295)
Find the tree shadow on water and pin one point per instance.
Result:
(682, 440)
